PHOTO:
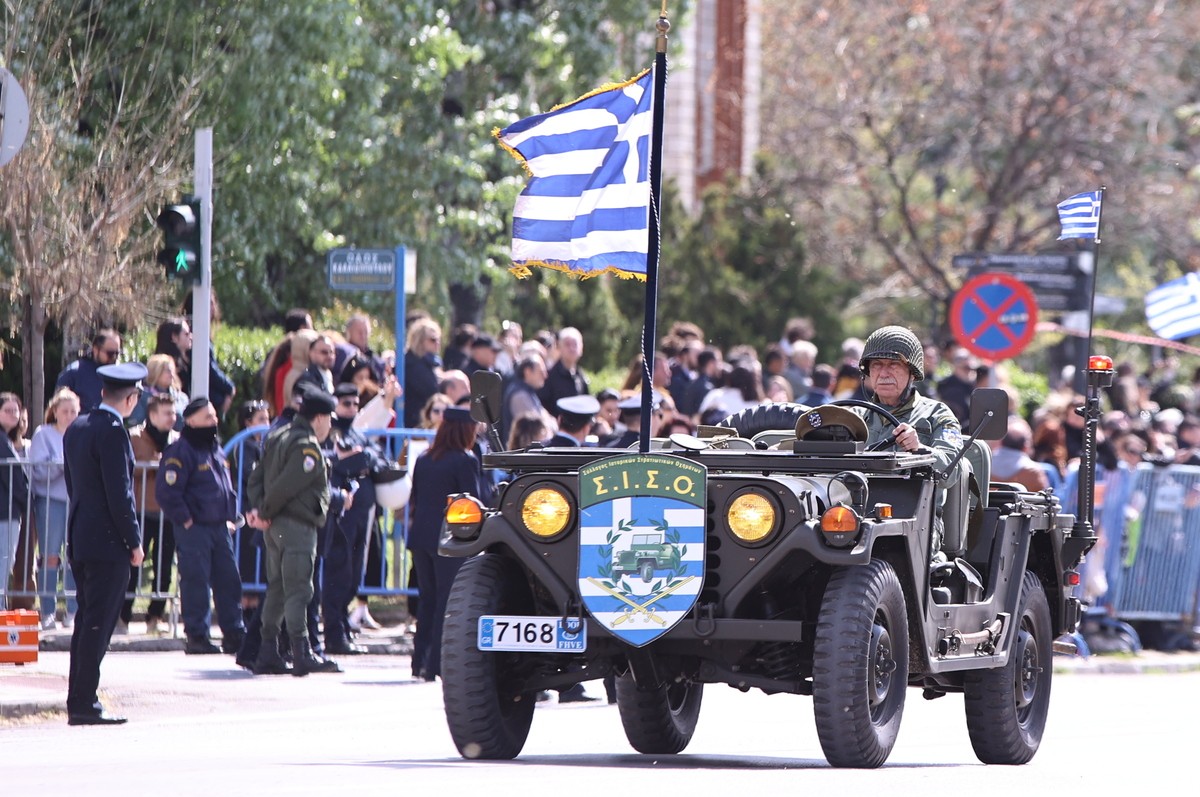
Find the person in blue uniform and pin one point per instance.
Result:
(103, 535)
(631, 417)
(575, 417)
(196, 494)
(346, 532)
(448, 466)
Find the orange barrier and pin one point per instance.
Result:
(18, 637)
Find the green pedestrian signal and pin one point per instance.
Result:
(181, 252)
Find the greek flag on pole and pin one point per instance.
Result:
(586, 207)
(1173, 308)
(1080, 216)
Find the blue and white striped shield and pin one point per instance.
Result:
(641, 542)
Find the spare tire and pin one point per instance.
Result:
(779, 417)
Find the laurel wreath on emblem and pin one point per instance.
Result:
(674, 576)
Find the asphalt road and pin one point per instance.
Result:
(200, 726)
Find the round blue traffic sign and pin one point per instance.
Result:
(994, 316)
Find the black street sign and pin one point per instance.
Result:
(1056, 279)
(361, 269)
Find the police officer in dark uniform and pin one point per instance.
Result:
(631, 416)
(290, 492)
(346, 532)
(575, 416)
(103, 535)
(196, 494)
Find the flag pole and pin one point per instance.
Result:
(1090, 411)
(1095, 276)
(649, 333)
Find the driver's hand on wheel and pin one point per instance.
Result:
(906, 438)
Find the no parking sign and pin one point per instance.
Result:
(994, 316)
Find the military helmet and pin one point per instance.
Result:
(895, 343)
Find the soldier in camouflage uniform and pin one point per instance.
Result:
(893, 361)
(290, 491)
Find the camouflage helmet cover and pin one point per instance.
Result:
(895, 343)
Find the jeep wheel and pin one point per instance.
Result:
(860, 665)
(488, 716)
(662, 721)
(1007, 707)
(646, 571)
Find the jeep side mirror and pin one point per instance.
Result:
(989, 413)
(486, 387)
(485, 396)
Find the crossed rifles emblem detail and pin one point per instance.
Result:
(634, 608)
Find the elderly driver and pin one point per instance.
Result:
(893, 361)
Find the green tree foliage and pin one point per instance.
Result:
(368, 122)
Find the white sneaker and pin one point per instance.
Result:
(49, 623)
(69, 621)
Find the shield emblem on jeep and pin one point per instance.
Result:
(641, 542)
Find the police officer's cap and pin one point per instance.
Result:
(345, 389)
(316, 402)
(485, 341)
(583, 405)
(194, 406)
(819, 424)
(122, 375)
(634, 402)
(459, 414)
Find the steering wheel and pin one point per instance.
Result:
(878, 409)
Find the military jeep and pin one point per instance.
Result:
(800, 565)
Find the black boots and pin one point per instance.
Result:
(303, 660)
(269, 662)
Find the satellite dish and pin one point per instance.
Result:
(14, 116)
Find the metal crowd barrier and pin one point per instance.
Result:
(1151, 529)
(389, 577)
(390, 574)
(26, 569)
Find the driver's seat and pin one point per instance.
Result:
(956, 511)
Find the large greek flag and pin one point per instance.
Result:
(585, 209)
(1173, 308)
(1080, 215)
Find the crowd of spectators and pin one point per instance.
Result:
(1151, 417)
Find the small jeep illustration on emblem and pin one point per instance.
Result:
(646, 554)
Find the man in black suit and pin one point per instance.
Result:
(103, 536)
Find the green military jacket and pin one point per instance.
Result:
(936, 426)
(291, 480)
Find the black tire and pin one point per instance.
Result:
(660, 722)
(1007, 707)
(646, 571)
(487, 715)
(860, 665)
(780, 416)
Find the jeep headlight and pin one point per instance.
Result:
(752, 516)
(545, 511)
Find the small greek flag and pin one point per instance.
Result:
(1173, 308)
(1080, 216)
(586, 207)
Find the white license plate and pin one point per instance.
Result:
(507, 632)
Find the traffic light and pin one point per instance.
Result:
(180, 255)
